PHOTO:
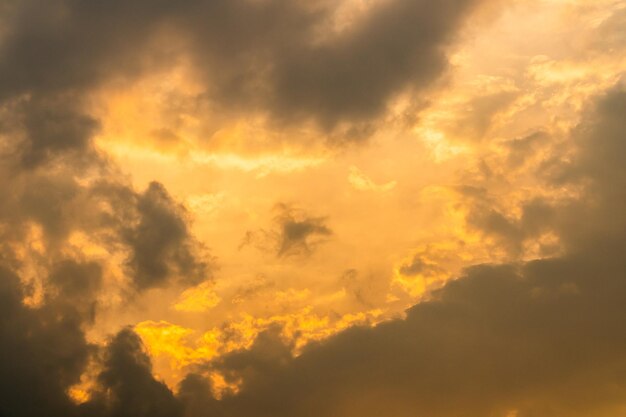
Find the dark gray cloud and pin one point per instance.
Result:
(590, 164)
(49, 128)
(43, 350)
(485, 216)
(543, 339)
(160, 242)
(398, 44)
(75, 284)
(276, 56)
(126, 386)
(282, 64)
(294, 233)
(598, 167)
(299, 234)
(150, 228)
(55, 184)
(52, 177)
(70, 45)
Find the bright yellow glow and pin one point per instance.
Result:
(166, 339)
(181, 347)
(78, 395)
(198, 299)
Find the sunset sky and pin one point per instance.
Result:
(312, 208)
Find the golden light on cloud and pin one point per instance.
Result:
(359, 208)
(199, 299)
(170, 340)
(180, 348)
(361, 182)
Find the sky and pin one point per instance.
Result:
(348, 208)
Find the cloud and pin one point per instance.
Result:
(299, 234)
(542, 337)
(295, 233)
(536, 338)
(160, 242)
(126, 386)
(544, 340)
(50, 128)
(66, 45)
(77, 284)
(419, 266)
(51, 284)
(267, 56)
(520, 149)
(43, 350)
(366, 288)
(398, 44)
(150, 228)
(362, 182)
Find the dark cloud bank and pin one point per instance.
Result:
(266, 55)
(543, 338)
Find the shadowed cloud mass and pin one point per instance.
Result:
(267, 56)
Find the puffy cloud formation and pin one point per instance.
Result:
(272, 56)
(161, 247)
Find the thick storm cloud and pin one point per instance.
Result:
(543, 339)
(44, 350)
(264, 56)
